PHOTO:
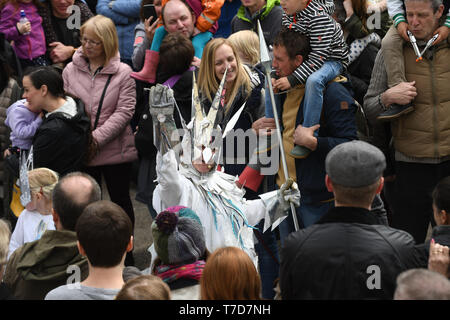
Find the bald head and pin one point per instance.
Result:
(178, 17)
(74, 192)
(422, 284)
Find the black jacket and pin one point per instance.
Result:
(441, 235)
(337, 125)
(61, 143)
(336, 258)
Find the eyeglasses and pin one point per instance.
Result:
(93, 43)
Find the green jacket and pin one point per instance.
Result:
(269, 17)
(42, 265)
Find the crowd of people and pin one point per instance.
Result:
(346, 197)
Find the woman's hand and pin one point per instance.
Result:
(439, 259)
(150, 28)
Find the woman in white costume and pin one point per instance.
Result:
(227, 218)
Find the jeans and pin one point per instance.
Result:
(268, 267)
(307, 214)
(315, 85)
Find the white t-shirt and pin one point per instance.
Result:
(30, 227)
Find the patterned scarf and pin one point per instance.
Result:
(170, 273)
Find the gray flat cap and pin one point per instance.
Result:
(355, 164)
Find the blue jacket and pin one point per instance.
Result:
(125, 14)
(337, 125)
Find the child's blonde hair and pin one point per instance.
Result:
(246, 43)
(145, 287)
(5, 234)
(43, 179)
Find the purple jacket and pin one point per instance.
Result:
(113, 133)
(26, 47)
(23, 124)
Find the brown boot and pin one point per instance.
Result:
(148, 72)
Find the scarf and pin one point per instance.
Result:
(170, 273)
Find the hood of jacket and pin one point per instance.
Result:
(48, 258)
(244, 14)
(79, 122)
(15, 105)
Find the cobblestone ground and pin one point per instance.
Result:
(142, 232)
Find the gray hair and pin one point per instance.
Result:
(422, 284)
(434, 3)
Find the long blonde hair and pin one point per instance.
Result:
(207, 80)
(105, 30)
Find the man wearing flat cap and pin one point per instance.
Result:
(347, 254)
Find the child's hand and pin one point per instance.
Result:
(275, 90)
(196, 62)
(196, 32)
(402, 27)
(282, 84)
(24, 27)
(443, 34)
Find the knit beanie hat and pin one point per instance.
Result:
(178, 236)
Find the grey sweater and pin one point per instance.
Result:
(77, 291)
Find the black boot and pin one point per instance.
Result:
(395, 111)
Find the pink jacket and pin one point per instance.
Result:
(113, 133)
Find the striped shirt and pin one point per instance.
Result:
(325, 35)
